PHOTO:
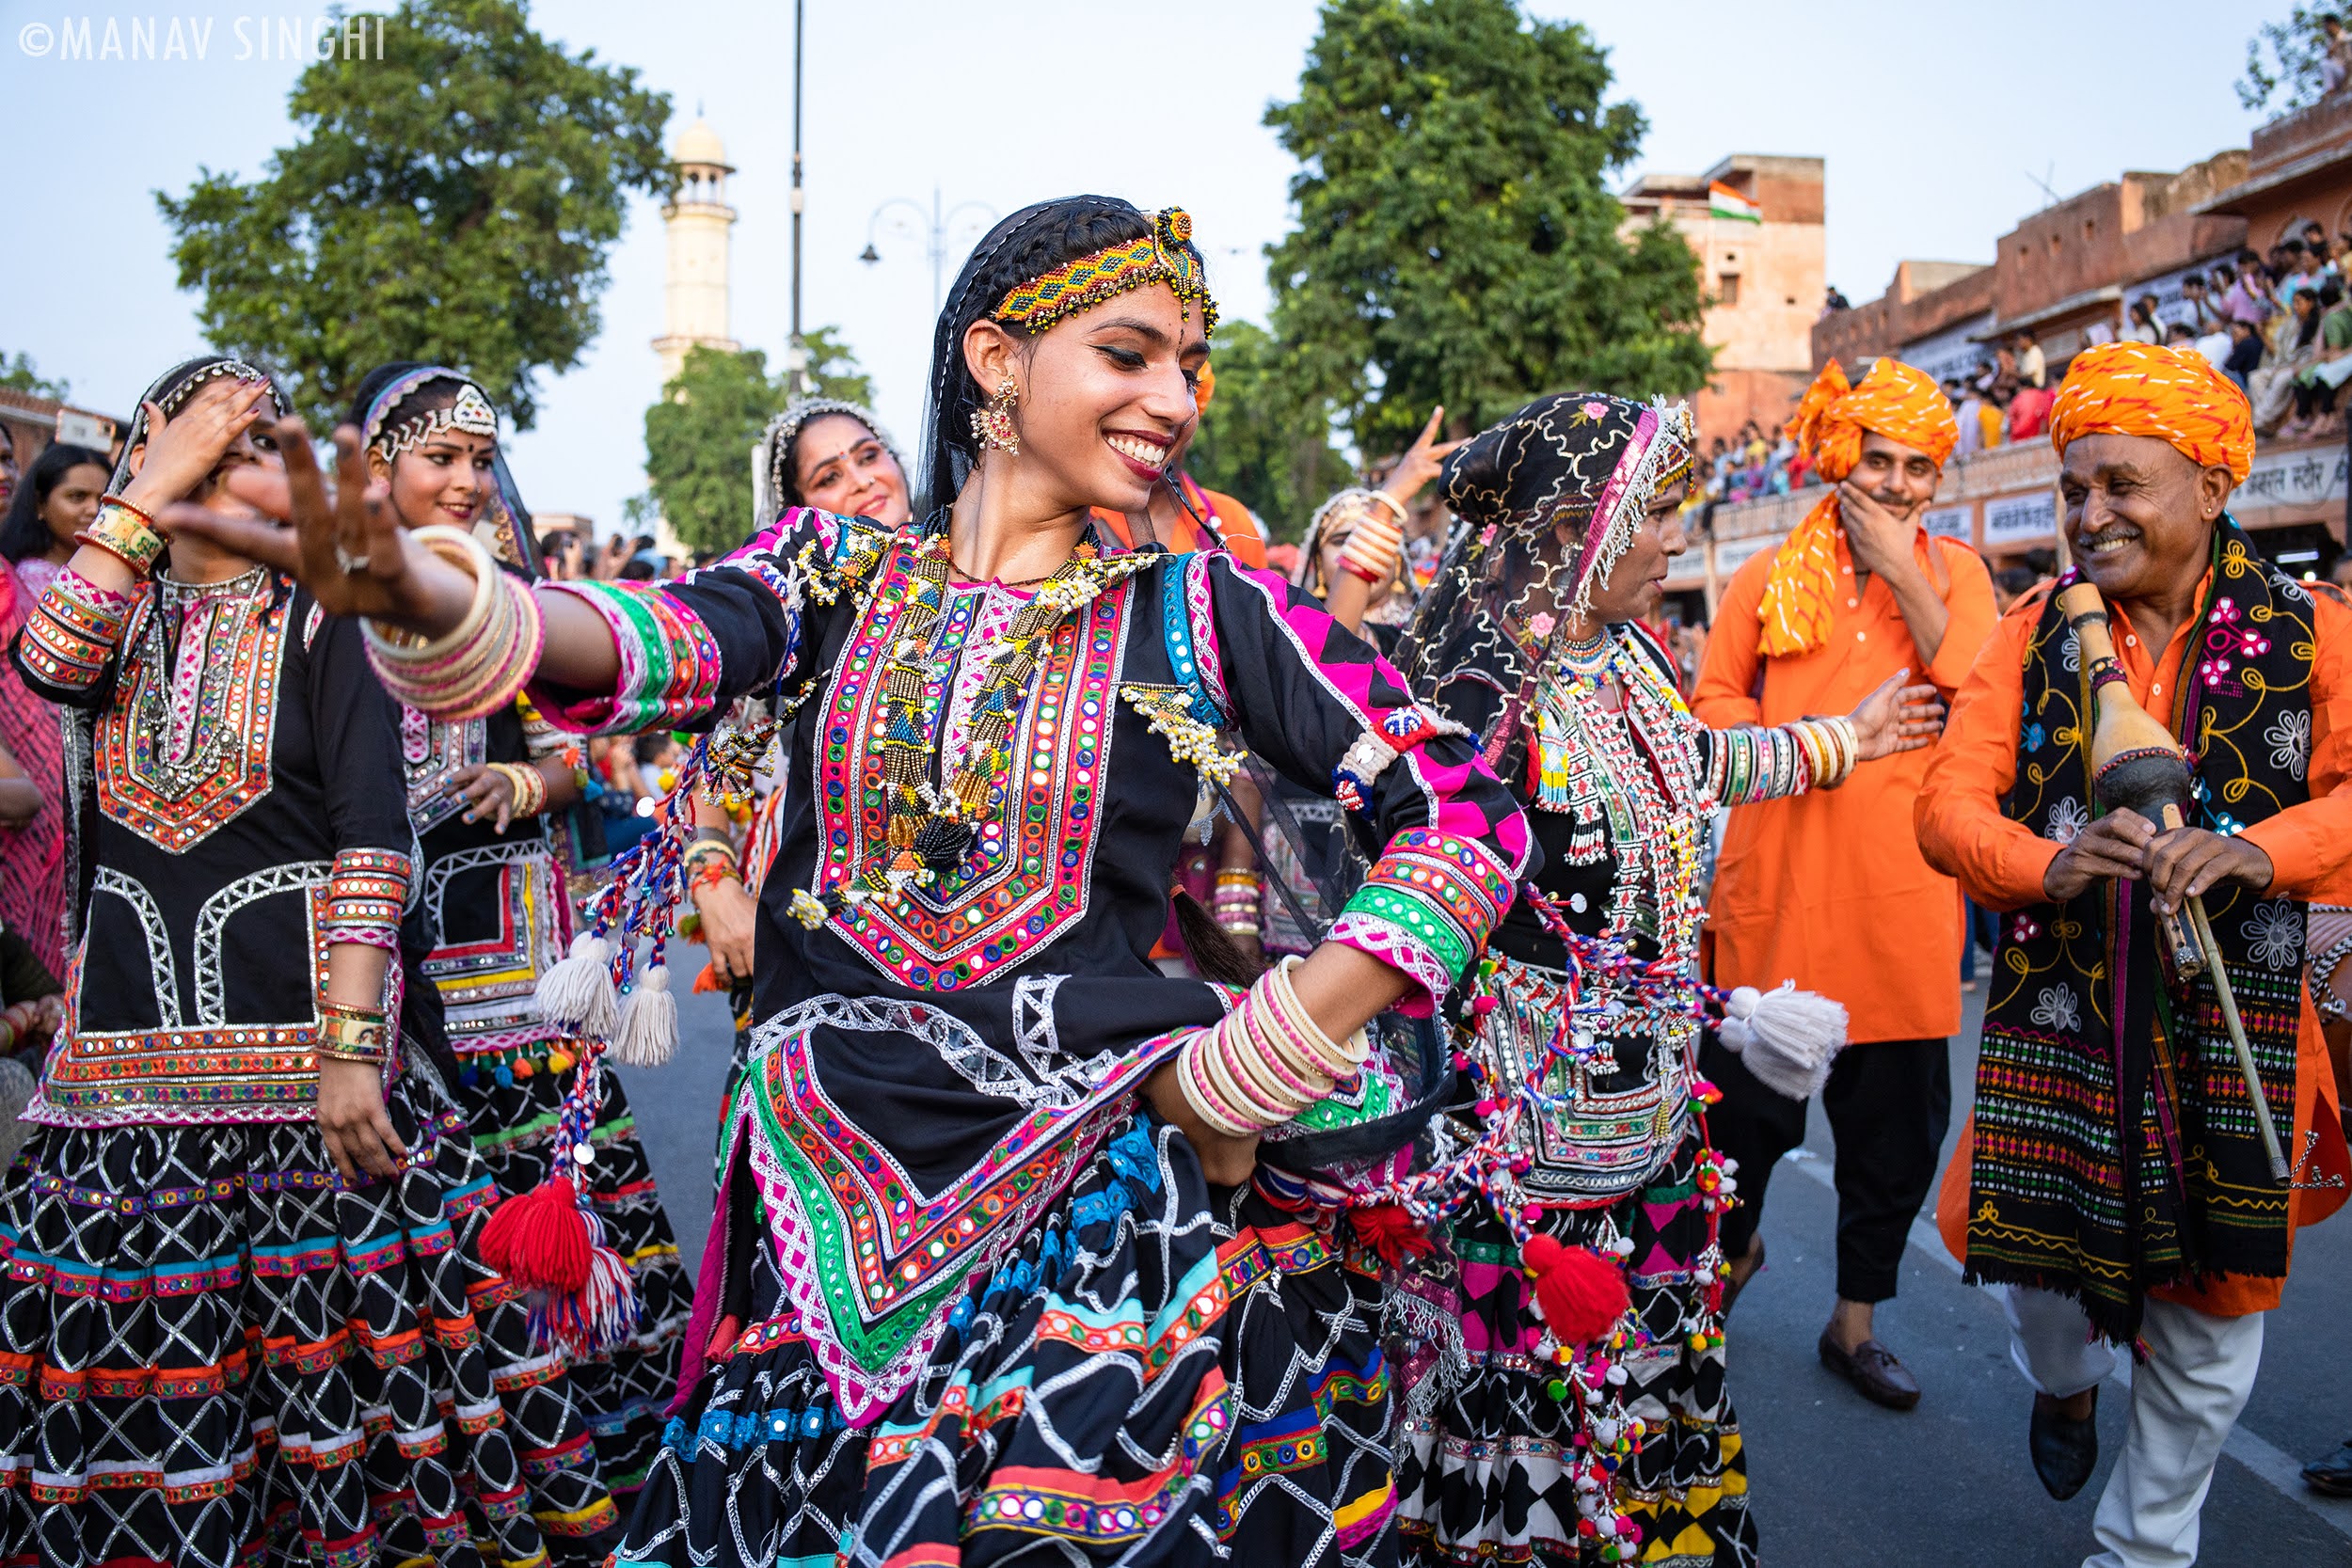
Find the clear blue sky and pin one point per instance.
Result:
(1932, 121)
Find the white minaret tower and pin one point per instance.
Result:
(698, 218)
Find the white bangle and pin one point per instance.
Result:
(459, 547)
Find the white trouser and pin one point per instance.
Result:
(2185, 1398)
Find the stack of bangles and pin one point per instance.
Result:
(711, 861)
(349, 1033)
(1235, 902)
(479, 667)
(1265, 1062)
(1831, 749)
(530, 787)
(1376, 542)
(26, 1020)
(125, 533)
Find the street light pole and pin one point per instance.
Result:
(933, 228)
(796, 360)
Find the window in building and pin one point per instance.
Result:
(1726, 287)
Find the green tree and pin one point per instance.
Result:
(832, 367)
(698, 446)
(2296, 49)
(1263, 442)
(1456, 242)
(453, 201)
(19, 374)
(699, 437)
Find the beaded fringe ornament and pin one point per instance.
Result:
(548, 1240)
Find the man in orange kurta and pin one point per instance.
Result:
(2152, 441)
(1829, 889)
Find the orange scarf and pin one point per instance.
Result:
(1895, 401)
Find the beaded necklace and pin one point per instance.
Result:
(932, 828)
(1629, 778)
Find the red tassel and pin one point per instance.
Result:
(1390, 1232)
(1581, 1293)
(540, 1239)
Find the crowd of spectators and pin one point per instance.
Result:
(2279, 326)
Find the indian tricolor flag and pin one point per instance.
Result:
(1724, 202)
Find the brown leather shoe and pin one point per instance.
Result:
(1873, 1371)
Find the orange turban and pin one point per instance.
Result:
(2174, 395)
(1894, 401)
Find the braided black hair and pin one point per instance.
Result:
(1027, 245)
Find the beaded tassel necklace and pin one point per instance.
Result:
(932, 827)
(1628, 778)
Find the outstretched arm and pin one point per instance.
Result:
(350, 551)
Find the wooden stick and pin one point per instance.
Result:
(2196, 907)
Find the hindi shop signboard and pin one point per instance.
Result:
(2313, 476)
(1948, 522)
(2011, 521)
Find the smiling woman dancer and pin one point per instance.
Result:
(835, 456)
(1598, 1430)
(485, 796)
(244, 1311)
(982, 1285)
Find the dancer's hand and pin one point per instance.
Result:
(1225, 1160)
(352, 1121)
(1421, 462)
(2115, 847)
(2190, 863)
(487, 793)
(727, 911)
(347, 549)
(180, 450)
(1897, 718)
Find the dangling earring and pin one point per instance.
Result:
(991, 422)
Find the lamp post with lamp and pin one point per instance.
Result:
(933, 227)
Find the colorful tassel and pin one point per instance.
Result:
(576, 992)
(646, 1035)
(597, 1317)
(540, 1239)
(1390, 1230)
(1581, 1293)
(1787, 1038)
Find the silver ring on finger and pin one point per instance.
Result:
(351, 565)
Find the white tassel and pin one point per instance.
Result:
(1787, 1036)
(647, 1035)
(576, 992)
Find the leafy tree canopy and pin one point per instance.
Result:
(832, 368)
(453, 201)
(2285, 59)
(1455, 242)
(1263, 442)
(18, 373)
(699, 438)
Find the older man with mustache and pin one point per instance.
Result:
(2117, 1183)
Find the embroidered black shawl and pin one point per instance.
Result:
(2116, 1149)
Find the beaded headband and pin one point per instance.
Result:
(177, 397)
(1164, 256)
(471, 411)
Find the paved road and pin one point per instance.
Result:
(1838, 1481)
